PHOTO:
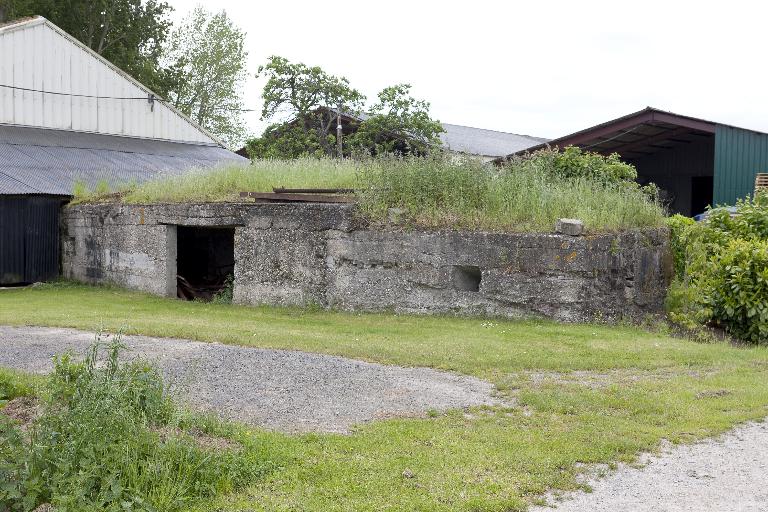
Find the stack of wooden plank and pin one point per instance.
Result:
(761, 182)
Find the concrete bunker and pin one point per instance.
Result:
(205, 261)
(290, 254)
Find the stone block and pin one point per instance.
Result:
(572, 227)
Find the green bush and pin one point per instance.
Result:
(99, 445)
(679, 226)
(573, 162)
(722, 270)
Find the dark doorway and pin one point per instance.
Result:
(205, 261)
(702, 188)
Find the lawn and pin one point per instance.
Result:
(578, 394)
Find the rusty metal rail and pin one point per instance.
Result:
(281, 197)
(283, 190)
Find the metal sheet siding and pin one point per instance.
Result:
(38, 55)
(739, 156)
(29, 239)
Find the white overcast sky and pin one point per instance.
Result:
(544, 68)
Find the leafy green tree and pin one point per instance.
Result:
(398, 123)
(285, 141)
(306, 97)
(205, 62)
(12, 9)
(128, 33)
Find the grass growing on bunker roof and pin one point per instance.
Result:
(441, 191)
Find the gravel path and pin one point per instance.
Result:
(278, 389)
(715, 475)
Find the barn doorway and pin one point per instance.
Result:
(205, 262)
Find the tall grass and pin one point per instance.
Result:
(226, 183)
(520, 197)
(435, 192)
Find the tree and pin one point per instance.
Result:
(306, 97)
(398, 123)
(205, 63)
(128, 33)
(13, 9)
(285, 141)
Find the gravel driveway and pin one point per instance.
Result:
(715, 475)
(278, 389)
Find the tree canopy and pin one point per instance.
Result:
(303, 104)
(398, 123)
(304, 101)
(205, 66)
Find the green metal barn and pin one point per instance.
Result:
(695, 162)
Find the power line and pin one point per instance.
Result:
(26, 89)
(149, 97)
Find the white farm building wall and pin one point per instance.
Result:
(80, 88)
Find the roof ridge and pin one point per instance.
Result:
(496, 131)
(20, 21)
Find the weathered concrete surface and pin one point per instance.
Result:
(299, 254)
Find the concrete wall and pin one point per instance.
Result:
(293, 254)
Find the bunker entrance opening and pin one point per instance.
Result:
(205, 261)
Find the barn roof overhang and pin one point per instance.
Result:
(636, 135)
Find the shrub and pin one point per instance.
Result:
(98, 446)
(573, 162)
(679, 226)
(722, 270)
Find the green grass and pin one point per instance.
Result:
(434, 192)
(579, 394)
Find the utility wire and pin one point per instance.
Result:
(145, 98)
(155, 98)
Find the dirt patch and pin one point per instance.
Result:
(24, 410)
(200, 438)
(715, 393)
(601, 380)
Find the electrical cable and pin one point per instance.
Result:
(145, 98)
(26, 89)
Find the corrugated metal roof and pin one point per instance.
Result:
(473, 141)
(478, 141)
(43, 161)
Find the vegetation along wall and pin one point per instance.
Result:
(320, 254)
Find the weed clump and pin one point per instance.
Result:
(99, 444)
